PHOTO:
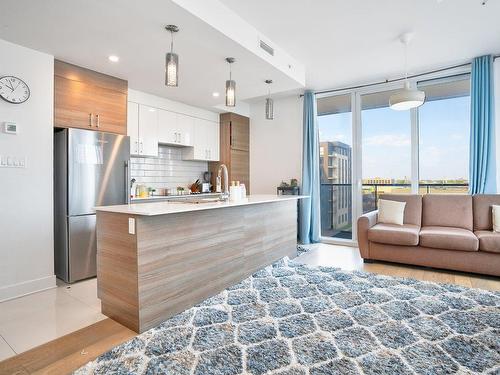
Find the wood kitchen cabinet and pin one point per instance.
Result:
(234, 148)
(90, 100)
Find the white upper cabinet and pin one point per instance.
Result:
(167, 127)
(185, 125)
(133, 127)
(152, 120)
(213, 140)
(205, 142)
(175, 128)
(142, 128)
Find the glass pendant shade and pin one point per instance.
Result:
(407, 98)
(230, 93)
(269, 109)
(172, 69)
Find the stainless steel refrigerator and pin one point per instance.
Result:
(90, 169)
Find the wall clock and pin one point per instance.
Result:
(14, 90)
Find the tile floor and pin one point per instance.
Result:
(35, 319)
(32, 320)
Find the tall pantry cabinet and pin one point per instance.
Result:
(234, 148)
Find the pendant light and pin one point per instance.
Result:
(407, 98)
(269, 102)
(172, 61)
(230, 86)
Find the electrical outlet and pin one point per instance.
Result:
(131, 225)
(8, 161)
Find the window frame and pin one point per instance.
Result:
(357, 152)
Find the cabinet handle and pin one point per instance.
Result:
(230, 133)
(136, 147)
(98, 121)
(142, 148)
(90, 119)
(179, 137)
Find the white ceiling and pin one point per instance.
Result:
(85, 32)
(356, 41)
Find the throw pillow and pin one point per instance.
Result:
(495, 215)
(391, 212)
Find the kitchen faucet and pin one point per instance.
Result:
(224, 196)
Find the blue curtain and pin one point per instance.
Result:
(482, 168)
(309, 207)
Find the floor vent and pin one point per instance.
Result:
(266, 47)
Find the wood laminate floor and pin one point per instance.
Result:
(69, 352)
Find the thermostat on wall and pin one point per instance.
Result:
(10, 127)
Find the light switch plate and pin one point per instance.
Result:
(10, 128)
(131, 225)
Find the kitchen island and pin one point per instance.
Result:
(157, 259)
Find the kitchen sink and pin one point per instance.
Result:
(197, 200)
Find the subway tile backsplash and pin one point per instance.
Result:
(168, 170)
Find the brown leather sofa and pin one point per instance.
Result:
(442, 231)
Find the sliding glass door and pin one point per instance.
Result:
(386, 149)
(335, 134)
(444, 125)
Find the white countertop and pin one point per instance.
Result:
(169, 207)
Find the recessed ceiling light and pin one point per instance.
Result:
(215, 94)
(113, 58)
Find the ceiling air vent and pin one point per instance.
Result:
(266, 47)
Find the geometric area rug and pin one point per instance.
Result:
(293, 319)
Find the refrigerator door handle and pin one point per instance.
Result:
(127, 182)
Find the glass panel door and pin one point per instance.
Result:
(444, 124)
(335, 133)
(386, 149)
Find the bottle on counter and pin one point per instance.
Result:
(243, 191)
(238, 190)
(233, 192)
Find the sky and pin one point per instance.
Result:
(386, 139)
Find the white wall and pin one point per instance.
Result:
(26, 217)
(275, 145)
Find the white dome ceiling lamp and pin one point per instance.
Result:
(408, 97)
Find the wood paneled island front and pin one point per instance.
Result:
(155, 260)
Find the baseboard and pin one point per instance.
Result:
(27, 287)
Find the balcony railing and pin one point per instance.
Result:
(336, 202)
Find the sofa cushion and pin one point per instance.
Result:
(413, 208)
(447, 211)
(482, 210)
(488, 241)
(448, 238)
(394, 234)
